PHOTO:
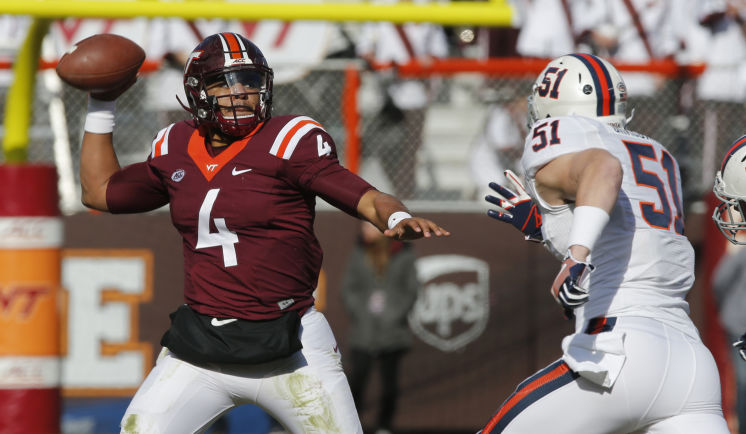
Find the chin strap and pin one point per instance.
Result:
(184, 106)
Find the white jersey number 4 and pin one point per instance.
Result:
(223, 237)
(322, 146)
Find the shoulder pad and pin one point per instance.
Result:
(290, 134)
(160, 143)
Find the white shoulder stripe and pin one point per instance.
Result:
(289, 136)
(160, 143)
(296, 138)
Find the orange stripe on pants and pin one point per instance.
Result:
(525, 391)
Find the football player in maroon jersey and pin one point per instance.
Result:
(241, 185)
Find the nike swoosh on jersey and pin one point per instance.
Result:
(221, 322)
(238, 172)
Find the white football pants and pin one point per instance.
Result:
(306, 392)
(668, 384)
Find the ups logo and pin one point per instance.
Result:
(452, 308)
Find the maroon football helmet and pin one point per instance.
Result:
(240, 66)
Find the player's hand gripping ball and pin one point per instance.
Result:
(104, 65)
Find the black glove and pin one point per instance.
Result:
(518, 208)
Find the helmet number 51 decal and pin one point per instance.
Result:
(546, 82)
(224, 237)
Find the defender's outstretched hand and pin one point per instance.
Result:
(415, 227)
(516, 208)
(570, 286)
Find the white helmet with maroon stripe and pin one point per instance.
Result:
(232, 59)
(579, 84)
(730, 189)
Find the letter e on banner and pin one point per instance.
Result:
(105, 288)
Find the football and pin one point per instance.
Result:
(100, 63)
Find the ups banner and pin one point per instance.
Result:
(483, 322)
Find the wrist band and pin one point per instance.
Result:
(100, 117)
(398, 216)
(587, 224)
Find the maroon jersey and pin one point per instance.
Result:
(245, 214)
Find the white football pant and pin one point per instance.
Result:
(669, 384)
(306, 392)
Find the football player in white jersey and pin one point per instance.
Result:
(730, 189)
(609, 203)
(730, 214)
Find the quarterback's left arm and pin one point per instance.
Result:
(313, 164)
(389, 215)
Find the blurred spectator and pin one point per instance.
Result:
(722, 86)
(641, 31)
(499, 146)
(726, 51)
(633, 31)
(729, 285)
(13, 29)
(341, 43)
(547, 27)
(395, 135)
(379, 289)
(169, 41)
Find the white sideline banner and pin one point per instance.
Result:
(42, 372)
(31, 232)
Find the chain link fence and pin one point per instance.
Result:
(439, 157)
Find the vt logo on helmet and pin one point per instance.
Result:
(228, 85)
(730, 189)
(579, 84)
